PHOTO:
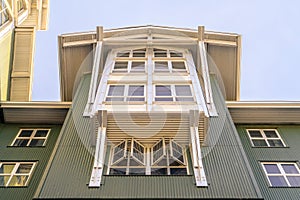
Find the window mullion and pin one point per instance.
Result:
(283, 174)
(13, 172)
(125, 94)
(150, 87)
(148, 161)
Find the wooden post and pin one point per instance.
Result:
(99, 33)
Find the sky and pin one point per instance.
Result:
(270, 30)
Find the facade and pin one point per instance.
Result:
(147, 112)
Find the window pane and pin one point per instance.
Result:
(41, 133)
(160, 53)
(116, 90)
(259, 143)
(136, 99)
(117, 171)
(123, 54)
(178, 66)
(272, 169)
(6, 168)
(255, 133)
(24, 168)
(137, 171)
(161, 66)
(163, 90)
(4, 180)
(121, 65)
(289, 168)
(159, 171)
(157, 151)
(294, 180)
(183, 90)
(25, 133)
(277, 181)
(36, 142)
(271, 134)
(136, 90)
(275, 143)
(175, 54)
(114, 99)
(138, 66)
(139, 53)
(119, 152)
(21, 143)
(178, 171)
(184, 99)
(18, 181)
(138, 152)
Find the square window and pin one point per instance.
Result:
(282, 174)
(15, 174)
(31, 138)
(163, 90)
(116, 90)
(121, 66)
(138, 66)
(161, 66)
(265, 138)
(178, 66)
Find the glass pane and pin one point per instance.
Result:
(24, 168)
(37, 142)
(272, 168)
(116, 90)
(178, 171)
(117, 171)
(119, 152)
(259, 143)
(4, 180)
(137, 171)
(21, 143)
(271, 134)
(160, 53)
(157, 151)
(175, 54)
(139, 53)
(255, 133)
(294, 180)
(164, 99)
(41, 133)
(161, 66)
(275, 143)
(6, 168)
(123, 54)
(163, 90)
(183, 90)
(138, 66)
(289, 168)
(18, 181)
(138, 152)
(277, 181)
(121, 65)
(25, 133)
(159, 171)
(136, 90)
(136, 99)
(185, 99)
(114, 99)
(178, 66)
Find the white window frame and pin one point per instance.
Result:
(31, 137)
(125, 94)
(3, 10)
(14, 173)
(265, 138)
(282, 172)
(173, 93)
(149, 162)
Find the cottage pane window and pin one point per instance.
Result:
(15, 174)
(31, 137)
(265, 138)
(282, 174)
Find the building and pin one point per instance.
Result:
(147, 112)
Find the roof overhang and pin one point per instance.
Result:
(34, 112)
(76, 52)
(264, 112)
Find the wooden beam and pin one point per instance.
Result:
(99, 33)
(201, 33)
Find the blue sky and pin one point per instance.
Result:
(270, 37)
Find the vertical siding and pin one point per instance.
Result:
(40, 154)
(5, 61)
(69, 174)
(290, 135)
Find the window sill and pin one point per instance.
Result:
(26, 147)
(270, 147)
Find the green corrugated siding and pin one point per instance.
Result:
(40, 154)
(291, 137)
(70, 171)
(5, 60)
